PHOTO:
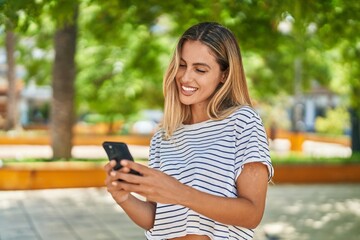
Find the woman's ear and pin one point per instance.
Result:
(224, 77)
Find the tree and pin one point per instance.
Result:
(64, 14)
(63, 81)
(12, 93)
(123, 53)
(122, 58)
(10, 18)
(339, 30)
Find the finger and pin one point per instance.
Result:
(109, 179)
(130, 187)
(131, 178)
(112, 163)
(124, 176)
(124, 170)
(114, 184)
(135, 166)
(106, 181)
(114, 187)
(115, 176)
(109, 166)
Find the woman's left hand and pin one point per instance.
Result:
(155, 185)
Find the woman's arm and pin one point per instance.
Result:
(141, 212)
(246, 210)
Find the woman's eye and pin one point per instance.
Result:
(182, 65)
(200, 70)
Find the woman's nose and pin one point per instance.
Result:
(185, 76)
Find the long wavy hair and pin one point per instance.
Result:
(228, 96)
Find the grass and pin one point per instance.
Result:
(292, 158)
(301, 159)
(32, 160)
(42, 161)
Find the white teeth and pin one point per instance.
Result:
(188, 88)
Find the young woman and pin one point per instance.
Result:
(209, 162)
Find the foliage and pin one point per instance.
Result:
(36, 55)
(276, 160)
(273, 112)
(339, 30)
(304, 160)
(18, 14)
(126, 80)
(124, 46)
(93, 118)
(118, 41)
(335, 122)
(47, 160)
(41, 162)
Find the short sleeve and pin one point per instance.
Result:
(154, 152)
(252, 145)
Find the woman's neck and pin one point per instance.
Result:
(198, 116)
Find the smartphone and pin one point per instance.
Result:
(118, 151)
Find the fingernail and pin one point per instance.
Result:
(113, 174)
(114, 183)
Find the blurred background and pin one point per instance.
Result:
(74, 73)
(74, 67)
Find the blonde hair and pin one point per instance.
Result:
(230, 95)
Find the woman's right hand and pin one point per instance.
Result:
(113, 188)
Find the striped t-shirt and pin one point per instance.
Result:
(209, 157)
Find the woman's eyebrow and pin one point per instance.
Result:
(197, 64)
(202, 64)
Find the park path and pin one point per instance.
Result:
(293, 212)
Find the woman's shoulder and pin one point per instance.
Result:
(245, 118)
(159, 133)
(244, 113)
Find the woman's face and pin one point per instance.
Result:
(198, 76)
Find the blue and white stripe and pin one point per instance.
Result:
(207, 156)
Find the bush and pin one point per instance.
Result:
(335, 122)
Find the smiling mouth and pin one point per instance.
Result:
(188, 89)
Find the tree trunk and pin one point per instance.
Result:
(63, 85)
(355, 131)
(355, 112)
(12, 95)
